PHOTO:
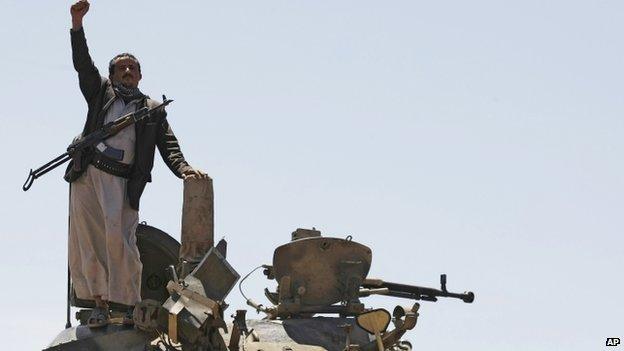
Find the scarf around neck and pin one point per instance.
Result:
(127, 94)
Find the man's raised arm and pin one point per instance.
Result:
(88, 75)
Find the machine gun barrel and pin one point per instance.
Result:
(417, 292)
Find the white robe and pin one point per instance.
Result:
(103, 256)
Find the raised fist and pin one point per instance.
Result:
(78, 10)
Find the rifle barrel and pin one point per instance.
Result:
(418, 292)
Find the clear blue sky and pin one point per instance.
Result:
(483, 139)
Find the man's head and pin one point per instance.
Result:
(125, 69)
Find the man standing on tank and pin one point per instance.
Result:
(107, 181)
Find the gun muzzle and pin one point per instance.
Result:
(468, 297)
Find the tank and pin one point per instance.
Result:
(318, 303)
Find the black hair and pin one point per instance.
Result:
(111, 64)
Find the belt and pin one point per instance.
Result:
(110, 166)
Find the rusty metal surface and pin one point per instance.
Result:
(197, 219)
(216, 275)
(301, 233)
(322, 270)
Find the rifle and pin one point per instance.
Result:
(415, 292)
(92, 139)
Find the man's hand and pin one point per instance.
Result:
(194, 174)
(78, 11)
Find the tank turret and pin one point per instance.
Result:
(321, 282)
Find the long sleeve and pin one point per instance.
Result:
(88, 75)
(169, 149)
